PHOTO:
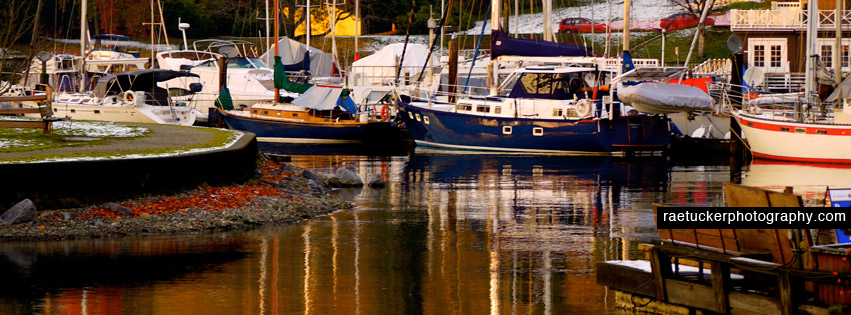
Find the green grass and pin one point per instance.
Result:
(28, 139)
(43, 141)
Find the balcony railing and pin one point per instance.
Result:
(790, 18)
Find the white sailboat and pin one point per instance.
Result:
(804, 133)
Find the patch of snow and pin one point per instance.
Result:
(121, 43)
(97, 129)
(534, 23)
(6, 143)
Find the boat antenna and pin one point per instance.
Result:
(434, 42)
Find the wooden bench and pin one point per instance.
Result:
(45, 109)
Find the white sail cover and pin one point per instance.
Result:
(382, 64)
(661, 98)
(292, 52)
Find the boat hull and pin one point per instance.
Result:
(649, 134)
(295, 131)
(120, 113)
(790, 141)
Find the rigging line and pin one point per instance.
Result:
(476, 54)
(433, 42)
(407, 36)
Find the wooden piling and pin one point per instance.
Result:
(453, 70)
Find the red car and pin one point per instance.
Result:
(580, 25)
(679, 21)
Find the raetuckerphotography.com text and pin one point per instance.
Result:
(751, 218)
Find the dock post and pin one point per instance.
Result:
(660, 263)
(720, 285)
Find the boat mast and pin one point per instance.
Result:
(357, 28)
(548, 30)
(83, 32)
(277, 92)
(494, 65)
(837, 62)
(268, 60)
(307, 25)
(812, 24)
(626, 4)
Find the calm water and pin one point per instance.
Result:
(450, 234)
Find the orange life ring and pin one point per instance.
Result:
(385, 113)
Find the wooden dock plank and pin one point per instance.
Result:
(626, 279)
(746, 303)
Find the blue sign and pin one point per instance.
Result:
(840, 198)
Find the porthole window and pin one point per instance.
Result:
(411, 115)
(506, 130)
(418, 117)
(537, 131)
(425, 120)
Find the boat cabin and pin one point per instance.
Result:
(561, 83)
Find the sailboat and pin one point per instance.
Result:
(804, 133)
(565, 110)
(321, 114)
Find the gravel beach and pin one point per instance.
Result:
(279, 194)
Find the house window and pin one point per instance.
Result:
(826, 55)
(759, 56)
(776, 56)
(845, 56)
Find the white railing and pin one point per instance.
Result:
(713, 67)
(783, 18)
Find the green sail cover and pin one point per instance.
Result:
(281, 81)
(224, 101)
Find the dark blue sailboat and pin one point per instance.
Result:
(544, 110)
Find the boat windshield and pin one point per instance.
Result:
(246, 63)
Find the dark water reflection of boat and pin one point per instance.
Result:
(451, 233)
(809, 180)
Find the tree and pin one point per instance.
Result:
(695, 8)
(16, 20)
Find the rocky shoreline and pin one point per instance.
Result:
(279, 194)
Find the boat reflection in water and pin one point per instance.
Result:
(450, 233)
(810, 180)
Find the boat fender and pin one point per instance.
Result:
(129, 97)
(385, 113)
(583, 108)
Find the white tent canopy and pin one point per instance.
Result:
(319, 98)
(292, 52)
(381, 65)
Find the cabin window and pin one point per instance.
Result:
(537, 83)
(506, 130)
(425, 120)
(97, 111)
(497, 109)
(418, 117)
(295, 115)
(784, 128)
(538, 131)
(73, 110)
(278, 113)
(826, 55)
(557, 112)
(821, 132)
(483, 109)
(800, 130)
(254, 111)
(463, 107)
(265, 112)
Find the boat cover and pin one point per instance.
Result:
(659, 98)
(504, 45)
(292, 53)
(382, 64)
(325, 98)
